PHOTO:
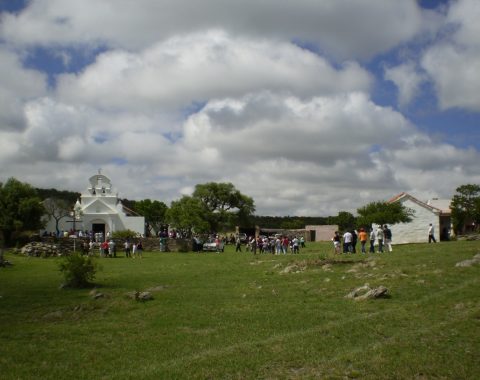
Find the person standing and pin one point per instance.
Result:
(253, 245)
(387, 234)
(372, 241)
(295, 244)
(238, 244)
(85, 248)
(285, 244)
(91, 246)
(354, 241)
(104, 247)
(379, 235)
(431, 234)
(363, 237)
(302, 241)
(278, 245)
(336, 242)
(163, 243)
(126, 246)
(111, 248)
(347, 242)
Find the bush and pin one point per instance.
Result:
(79, 271)
(124, 235)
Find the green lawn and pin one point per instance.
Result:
(235, 316)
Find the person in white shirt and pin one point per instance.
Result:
(347, 242)
(379, 235)
(295, 244)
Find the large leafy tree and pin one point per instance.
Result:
(293, 223)
(154, 213)
(345, 220)
(224, 204)
(383, 213)
(68, 196)
(465, 206)
(187, 215)
(20, 209)
(56, 209)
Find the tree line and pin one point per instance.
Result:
(212, 207)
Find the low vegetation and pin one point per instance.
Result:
(238, 316)
(78, 271)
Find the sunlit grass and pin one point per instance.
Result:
(234, 315)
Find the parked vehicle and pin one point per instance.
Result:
(243, 238)
(211, 246)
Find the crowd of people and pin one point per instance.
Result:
(275, 245)
(108, 248)
(381, 238)
(376, 240)
(278, 244)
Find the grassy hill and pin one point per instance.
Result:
(236, 316)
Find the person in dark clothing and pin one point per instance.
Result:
(387, 236)
(354, 241)
(238, 244)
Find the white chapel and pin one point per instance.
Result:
(100, 210)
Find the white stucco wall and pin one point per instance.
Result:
(99, 204)
(417, 230)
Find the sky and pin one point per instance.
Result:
(310, 108)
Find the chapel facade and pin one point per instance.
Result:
(100, 210)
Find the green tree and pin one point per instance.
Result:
(20, 209)
(68, 196)
(465, 207)
(383, 213)
(56, 209)
(344, 220)
(292, 223)
(187, 215)
(154, 213)
(224, 204)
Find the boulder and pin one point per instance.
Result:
(366, 292)
(469, 262)
(145, 296)
(40, 249)
(140, 296)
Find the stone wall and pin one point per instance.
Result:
(52, 246)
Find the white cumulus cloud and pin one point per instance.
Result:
(196, 67)
(343, 27)
(407, 79)
(452, 63)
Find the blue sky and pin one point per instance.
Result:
(309, 108)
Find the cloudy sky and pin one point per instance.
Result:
(309, 107)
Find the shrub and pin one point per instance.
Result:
(124, 234)
(79, 271)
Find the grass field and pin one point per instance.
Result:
(235, 316)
